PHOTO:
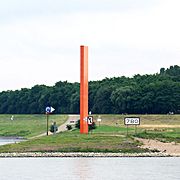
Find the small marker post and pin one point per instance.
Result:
(127, 130)
(135, 129)
(99, 120)
(47, 114)
(48, 111)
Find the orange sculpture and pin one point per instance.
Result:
(83, 89)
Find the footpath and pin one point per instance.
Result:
(71, 120)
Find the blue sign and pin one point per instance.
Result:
(48, 109)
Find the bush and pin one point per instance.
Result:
(90, 127)
(69, 127)
(77, 125)
(53, 127)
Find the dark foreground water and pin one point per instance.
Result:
(90, 168)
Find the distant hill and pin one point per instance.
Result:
(156, 93)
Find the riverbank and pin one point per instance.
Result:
(109, 139)
(81, 154)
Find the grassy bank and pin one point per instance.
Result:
(75, 142)
(116, 119)
(163, 135)
(165, 128)
(110, 136)
(27, 125)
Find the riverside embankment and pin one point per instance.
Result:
(90, 154)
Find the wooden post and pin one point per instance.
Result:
(135, 129)
(127, 130)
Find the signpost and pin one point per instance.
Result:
(99, 120)
(132, 121)
(49, 110)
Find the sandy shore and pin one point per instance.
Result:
(171, 148)
(91, 154)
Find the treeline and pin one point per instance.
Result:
(158, 94)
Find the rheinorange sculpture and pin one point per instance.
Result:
(83, 89)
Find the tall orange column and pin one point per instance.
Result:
(83, 89)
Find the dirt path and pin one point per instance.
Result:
(169, 148)
(71, 120)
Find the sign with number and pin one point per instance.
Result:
(90, 120)
(132, 121)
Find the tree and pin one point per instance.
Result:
(155, 93)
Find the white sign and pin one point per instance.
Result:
(98, 120)
(52, 109)
(90, 120)
(132, 121)
(12, 118)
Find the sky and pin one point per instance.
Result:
(40, 39)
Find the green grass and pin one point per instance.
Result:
(27, 125)
(75, 142)
(113, 129)
(165, 135)
(110, 136)
(114, 119)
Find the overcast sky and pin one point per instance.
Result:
(40, 39)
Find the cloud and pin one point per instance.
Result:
(40, 39)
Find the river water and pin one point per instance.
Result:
(9, 140)
(90, 168)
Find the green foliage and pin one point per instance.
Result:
(157, 94)
(53, 128)
(77, 125)
(92, 126)
(69, 127)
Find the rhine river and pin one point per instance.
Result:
(9, 140)
(147, 168)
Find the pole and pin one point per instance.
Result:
(83, 89)
(127, 131)
(135, 129)
(47, 123)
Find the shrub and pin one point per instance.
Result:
(90, 127)
(53, 127)
(77, 125)
(69, 127)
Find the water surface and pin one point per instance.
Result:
(90, 168)
(9, 140)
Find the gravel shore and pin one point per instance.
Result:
(81, 154)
